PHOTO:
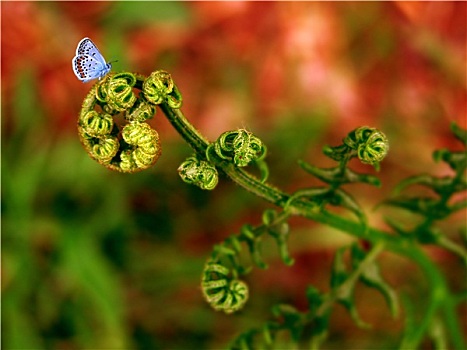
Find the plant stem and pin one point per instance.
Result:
(270, 193)
(455, 248)
(440, 296)
(199, 144)
(351, 279)
(191, 135)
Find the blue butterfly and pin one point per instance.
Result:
(88, 63)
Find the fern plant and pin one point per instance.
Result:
(114, 131)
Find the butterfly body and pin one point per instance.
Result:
(88, 63)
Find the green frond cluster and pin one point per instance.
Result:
(309, 329)
(239, 146)
(199, 173)
(446, 200)
(229, 252)
(370, 145)
(159, 88)
(130, 147)
(357, 142)
(134, 146)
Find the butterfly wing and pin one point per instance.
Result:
(87, 48)
(88, 63)
(87, 68)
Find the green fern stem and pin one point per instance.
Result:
(267, 191)
(440, 298)
(136, 147)
(188, 132)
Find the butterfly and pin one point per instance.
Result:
(89, 64)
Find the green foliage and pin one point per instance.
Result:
(370, 146)
(309, 329)
(235, 151)
(363, 267)
(85, 279)
(32, 242)
(433, 209)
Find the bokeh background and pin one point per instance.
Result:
(101, 260)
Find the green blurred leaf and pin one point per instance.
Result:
(292, 319)
(339, 271)
(437, 333)
(456, 160)
(18, 330)
(371, 276)
(337, 175)
(459, 133)
(85, 270)
(407, 342)
(425, 206)
(145, 13)
(438, 184)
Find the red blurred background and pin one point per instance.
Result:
(298, 74)
(403, 61)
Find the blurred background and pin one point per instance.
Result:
(100, 260)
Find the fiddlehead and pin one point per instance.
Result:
(141, 111)
(239, 146)
(368, 144)
(144, 146)
(199, 173)
(116, 92)
(97, 124)
(159, 87)
(134, 146)
(221, 289)
(218, 280)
